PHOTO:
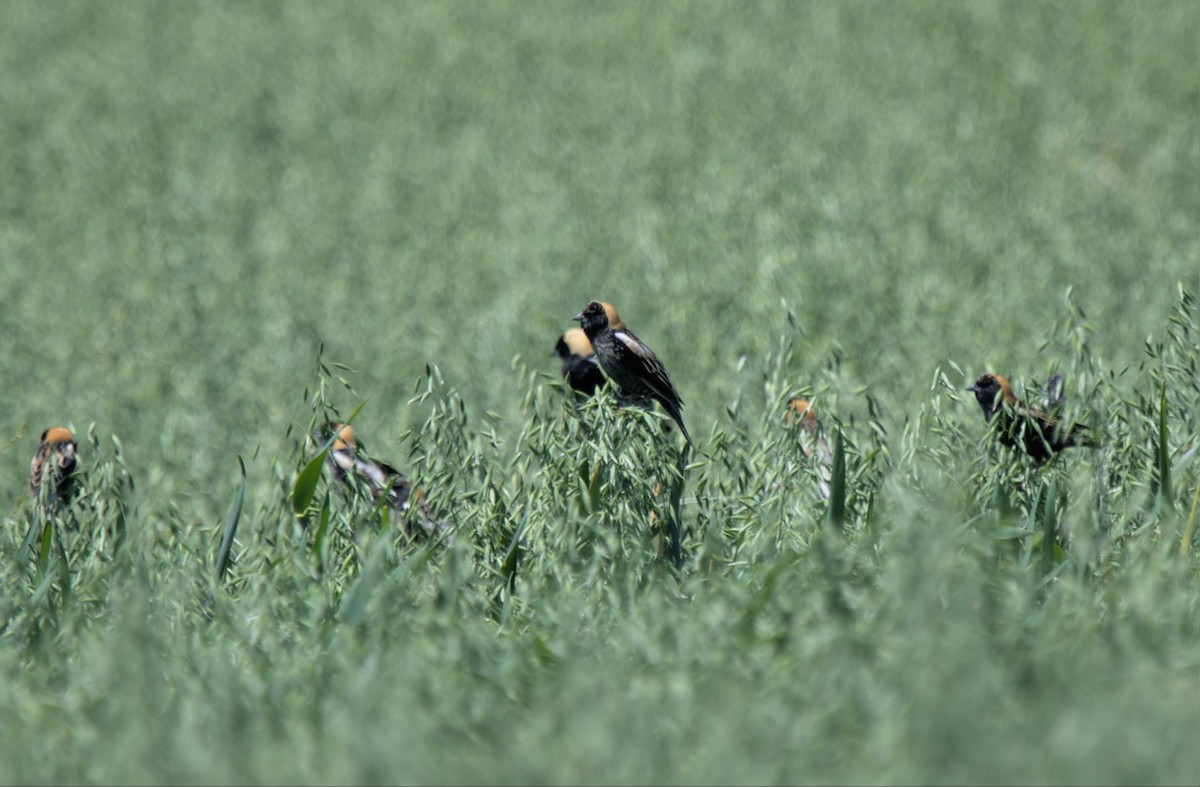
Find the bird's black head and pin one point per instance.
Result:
(990, 390)
(593, 319)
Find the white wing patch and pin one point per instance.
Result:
(632, 343)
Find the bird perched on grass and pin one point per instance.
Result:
(579, 364)
(801, 411)
(52, 473)
(629, 363)
(350, 465)
(1039, 433)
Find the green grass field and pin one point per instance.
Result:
(222, 223)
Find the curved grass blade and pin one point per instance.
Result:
(589, 496)
(231, 523)
(306, 483)
(32, 535)
(512, 558)
(42, 593)
(322, 529)
(508, 568)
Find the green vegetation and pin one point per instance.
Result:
(224, 223)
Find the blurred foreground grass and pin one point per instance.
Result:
(848, 201)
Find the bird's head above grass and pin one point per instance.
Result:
(345, 436)
(800, 411)
(574, 342)
(990, 391)
(62, 443)
(342, 434)
(593, 319)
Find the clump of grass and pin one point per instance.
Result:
(950, 602)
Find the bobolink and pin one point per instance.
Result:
(579, 364)
(347, 459)
(629, 363)
(801, 411)
(1039, 433)
(341, 457)
(53, 466)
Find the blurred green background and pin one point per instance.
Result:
(195, 197)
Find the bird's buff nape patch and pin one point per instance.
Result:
(577, 342)
(799, 409)
(614, 319)
(344, 436)
(1006, 388)
(58, 434)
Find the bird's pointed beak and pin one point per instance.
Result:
(972, 387)
(578, 317)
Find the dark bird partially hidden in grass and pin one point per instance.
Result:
(632, 366)
(1039, 433)
(579, 364)
(350, 465)
(52, 473)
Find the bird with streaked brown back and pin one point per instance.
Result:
(1040, 434)
(53, 462)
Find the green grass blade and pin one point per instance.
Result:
(44, 547)
(1190, 529)
(231, 523)
(305, 487)
(1163, 455)
(675, 523)
(32, 535)
(306, 483)
(512, 557)
(837, 484)
(349, 420)
(322, 530)
(63, 569)
(1049, 525)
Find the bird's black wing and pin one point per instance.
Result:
(649, 369)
